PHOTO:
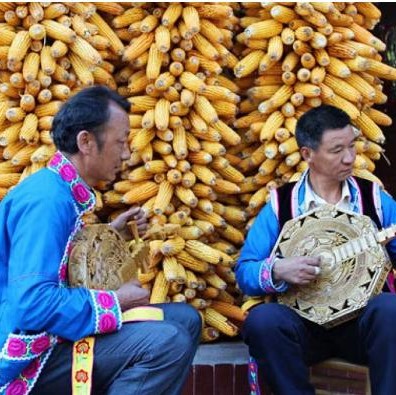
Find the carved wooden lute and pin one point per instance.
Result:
(354, 263)
(102, 259)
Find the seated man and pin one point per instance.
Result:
(40, 315)
(282, 342)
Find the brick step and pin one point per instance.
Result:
(221, 369)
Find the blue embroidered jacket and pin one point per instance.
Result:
(38, 220)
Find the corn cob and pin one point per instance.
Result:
(220, 322)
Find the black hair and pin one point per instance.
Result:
(87, 110)
(311, 126)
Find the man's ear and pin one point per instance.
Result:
(306, 153)
(85, 141)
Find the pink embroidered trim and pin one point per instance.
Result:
(81, 192)
(108, 312)
(265, 276)
(23, 384)
(17, 387)
(83, 196)
(26, 347)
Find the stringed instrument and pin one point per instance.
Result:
(102, 259)
(354, 263)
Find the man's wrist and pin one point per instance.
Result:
(276, 282)
(265, 278)
(274, 273)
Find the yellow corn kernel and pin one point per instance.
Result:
(139, 46)
(274, 122)
(29, 129)
(343, 89)
(364, 36)
(225, 187)
(141, 193)
(369, 128)
(169, 265)
(187, 196)
(19, 47)
(106, 31)
(160, 289)
(22, 157)
(248, 64)
(212, 217)
(232, 234)
(204, 174)
(263, 29)
(57, 31)
(163, 198)
(81, 69)
(43, 153)
(171, 14)
(205, 47)
(346, 105)
(142, 103)
(172, 246)
(31, 66)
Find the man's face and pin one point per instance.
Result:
(105, 162)
(335, 155)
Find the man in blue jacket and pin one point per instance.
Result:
(40, 315)
(283, 343)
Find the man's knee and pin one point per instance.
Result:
(268, 318)
(175, 343)
(383, 307)
(184, 314)
(189, 314)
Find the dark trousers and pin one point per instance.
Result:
(145, 358)
(285, 345)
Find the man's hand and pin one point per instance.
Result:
(131, 294)
(297, 270)
(135, 213)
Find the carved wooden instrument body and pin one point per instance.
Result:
(354, 263)
(102, 259)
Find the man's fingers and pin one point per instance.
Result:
(141, 216)
(134, 210)
(135, 282)
(141, 220)
(142, 230)
(312, 260)
(311, 270)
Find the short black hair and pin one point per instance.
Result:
(86, 110)
(311, 126)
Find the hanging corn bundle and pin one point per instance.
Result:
(296, 56)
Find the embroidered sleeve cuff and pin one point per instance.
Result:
(266, 281)
(108, 316)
